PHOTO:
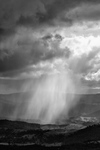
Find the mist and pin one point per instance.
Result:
(50, 99)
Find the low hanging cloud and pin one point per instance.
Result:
(24, 49)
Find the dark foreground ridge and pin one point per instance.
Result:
(67, 147)
(26, 136)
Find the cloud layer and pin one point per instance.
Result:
(37, 35)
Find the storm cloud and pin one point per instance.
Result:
(49, 48)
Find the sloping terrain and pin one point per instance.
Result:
(21, 135)
(88, 104)
(16, 132)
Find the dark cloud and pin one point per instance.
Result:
(18, 53)
(84, 12)
(15, 61)
(34, 13)
(14, 13)
(11, 11)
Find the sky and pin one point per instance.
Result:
(39, 38)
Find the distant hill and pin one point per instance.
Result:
(95, 114)
(88, 105)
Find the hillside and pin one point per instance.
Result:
(21, 135)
